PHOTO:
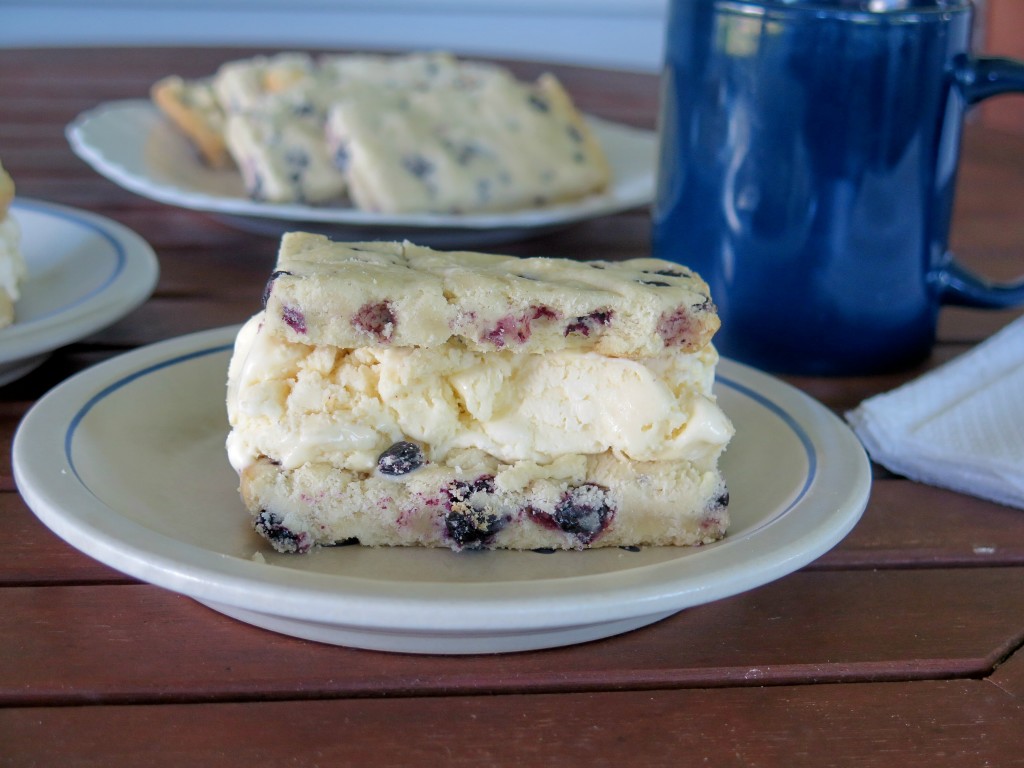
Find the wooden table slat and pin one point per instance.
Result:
(854, 725)
(906, 525)
(1009, 675)
(807, 628)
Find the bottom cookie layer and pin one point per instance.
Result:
(475, 502)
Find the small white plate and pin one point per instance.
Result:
(84, 273)
(126, 461)
(131, 144)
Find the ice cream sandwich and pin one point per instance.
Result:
(393, 395)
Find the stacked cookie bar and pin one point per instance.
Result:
(394, 395)
(420, 133)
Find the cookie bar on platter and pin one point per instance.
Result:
(417, 133)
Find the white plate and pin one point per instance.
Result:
(132, 145)
(84, 273)
(126, 461)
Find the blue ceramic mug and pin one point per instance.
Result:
(808, 161)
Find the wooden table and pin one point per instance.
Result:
(899, 647)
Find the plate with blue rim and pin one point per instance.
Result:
(126, 461)
(131, 144)
(84, 272)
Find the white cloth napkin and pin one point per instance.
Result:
(960, 426)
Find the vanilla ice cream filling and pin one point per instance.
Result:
(298, 404)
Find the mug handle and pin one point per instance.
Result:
(981, 78)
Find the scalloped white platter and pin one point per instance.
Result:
(85, 272)
(131, 144)
(126, 462)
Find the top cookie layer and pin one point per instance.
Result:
(353, 295)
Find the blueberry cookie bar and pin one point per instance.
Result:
(192, 106)
(247, 85)
(282, 157)
(380, 397)
(482, 142)
(12, 262)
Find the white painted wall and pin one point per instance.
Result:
(617, 33)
